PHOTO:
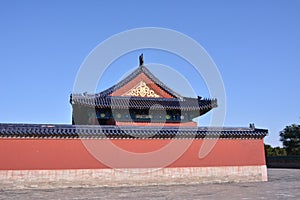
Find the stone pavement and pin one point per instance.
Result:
(282, 184)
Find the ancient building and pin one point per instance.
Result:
(138, 131)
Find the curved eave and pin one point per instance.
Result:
(187, 104)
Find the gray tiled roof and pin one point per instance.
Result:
(135, 73)
(126, 132)
(103, 100)
(143, 103)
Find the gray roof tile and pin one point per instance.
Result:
(133, 132)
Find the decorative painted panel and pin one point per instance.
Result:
(141, 90)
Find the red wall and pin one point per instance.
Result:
(24, 154)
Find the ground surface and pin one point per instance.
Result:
(282, 184)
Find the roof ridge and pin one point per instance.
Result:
(131, 76)
(159, 82)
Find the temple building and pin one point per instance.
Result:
(138, 131)
(140, 98)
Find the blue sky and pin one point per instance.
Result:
(255, 45)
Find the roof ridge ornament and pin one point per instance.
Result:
(252, 126)
(141, 58)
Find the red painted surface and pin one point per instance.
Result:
(136, 81)
(184, 124)
(24, 154)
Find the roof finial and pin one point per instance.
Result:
(141, 58)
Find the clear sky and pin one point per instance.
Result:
(255, 45)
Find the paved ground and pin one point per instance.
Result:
(282, 184)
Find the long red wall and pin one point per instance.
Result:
(26, 154)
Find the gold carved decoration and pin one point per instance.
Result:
(141, 90)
